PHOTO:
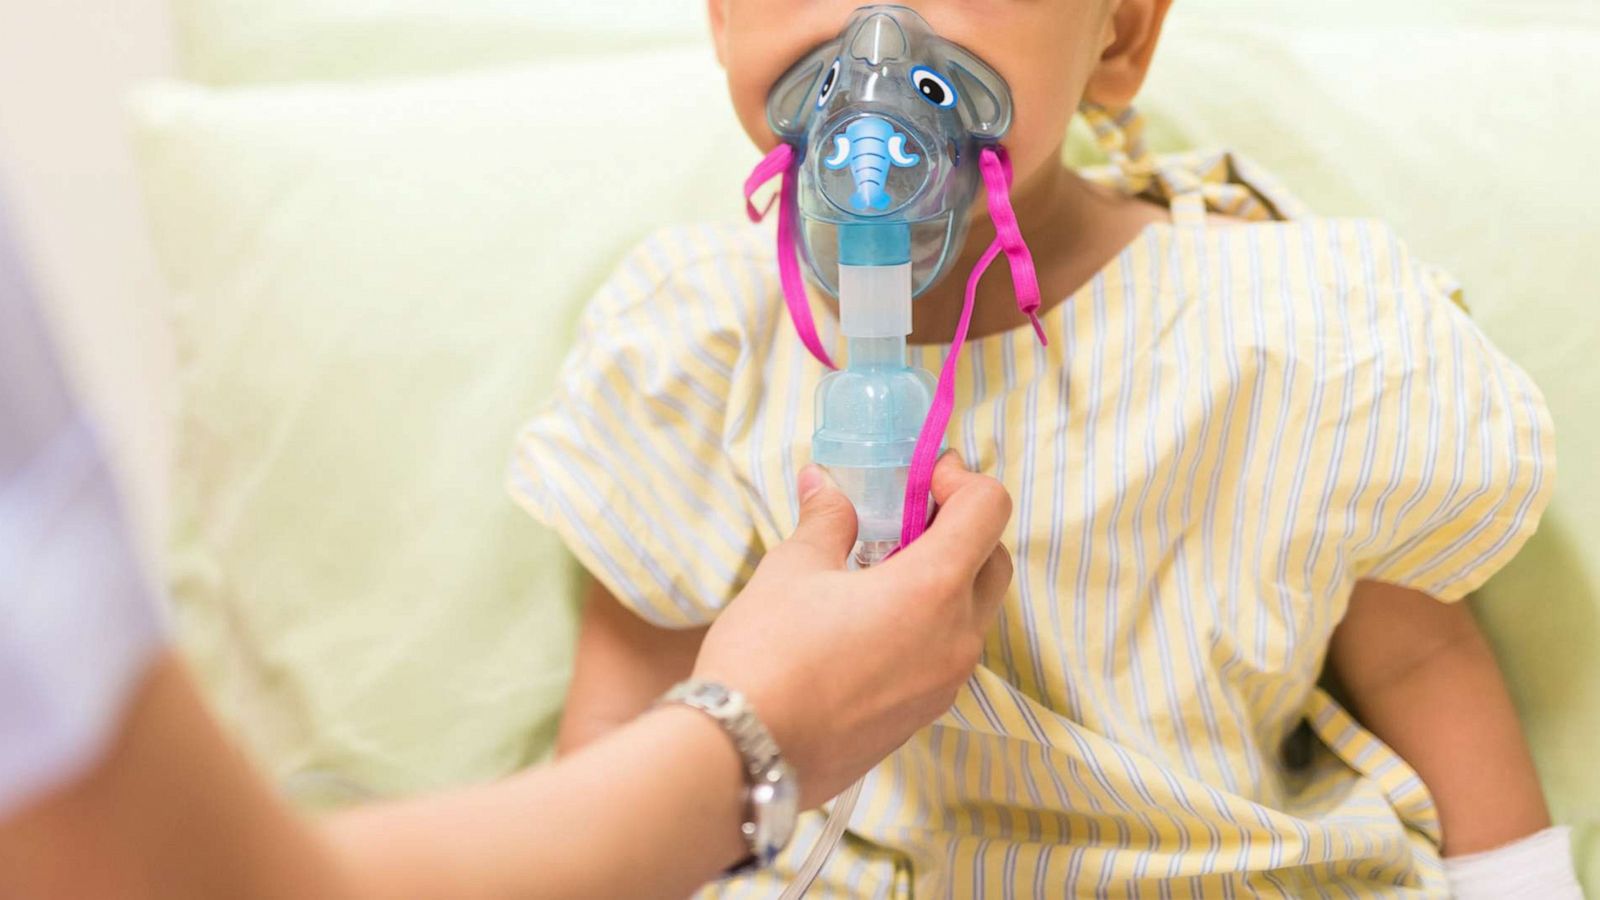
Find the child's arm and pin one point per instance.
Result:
(623, 664)
(1421, 676)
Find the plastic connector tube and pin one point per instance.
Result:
(880, 301)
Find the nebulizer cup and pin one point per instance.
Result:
(870, 413)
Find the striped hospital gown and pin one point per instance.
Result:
(1230, 426)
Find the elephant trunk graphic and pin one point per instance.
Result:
(870, 146)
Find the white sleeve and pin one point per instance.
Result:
(77, 624)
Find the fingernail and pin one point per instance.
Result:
(811, 480)
(951, 452)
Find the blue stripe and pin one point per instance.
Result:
(1105, 706)
(1241, 727)
(1397, 465)
(1113, 557)
(1308, 443)
(1025, 510)
(1262, 543)
(1448, 507)
(1375, 404)
(1504, 404)
(1141, 558)
(1235, 584)
(758, 431)
(1197, 377)
(1008, 867)
(1336, 460)
(787, 445)
(1430, 454)
(1532, 492)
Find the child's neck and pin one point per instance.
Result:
(1074, 229)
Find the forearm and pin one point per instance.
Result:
(623, 664)
(1445, 709)
(650, 810)
(1453, 721)
(175, 811)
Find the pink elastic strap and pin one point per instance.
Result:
(774, 163)
(995, 166)
(783, 163)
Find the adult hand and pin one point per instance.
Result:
(844, 666)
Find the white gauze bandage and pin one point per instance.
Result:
(1537, 866)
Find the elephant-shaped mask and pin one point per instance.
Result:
(888, 120)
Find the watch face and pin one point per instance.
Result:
(777, 802)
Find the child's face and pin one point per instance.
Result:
(1052, 54)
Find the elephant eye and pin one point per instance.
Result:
(933, 87)
(828, 81)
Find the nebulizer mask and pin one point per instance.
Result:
(888, 132)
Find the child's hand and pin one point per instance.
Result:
(844, 666)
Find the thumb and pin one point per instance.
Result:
(827, 520)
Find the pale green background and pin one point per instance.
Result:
(380, 218)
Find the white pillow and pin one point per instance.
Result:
(373, 288)
(240, 41)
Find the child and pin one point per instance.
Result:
(1257, 442)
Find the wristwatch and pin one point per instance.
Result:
(772, 795)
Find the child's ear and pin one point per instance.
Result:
(719, 30)
(1132, 30)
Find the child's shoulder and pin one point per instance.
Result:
(1346, 286)
(685, 298)
(1347, 304)
(1335, 258)
(1257, 233)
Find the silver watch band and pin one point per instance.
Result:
(733, 712)
(771, 794)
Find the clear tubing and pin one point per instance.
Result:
(832, 831)
(869, 416)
